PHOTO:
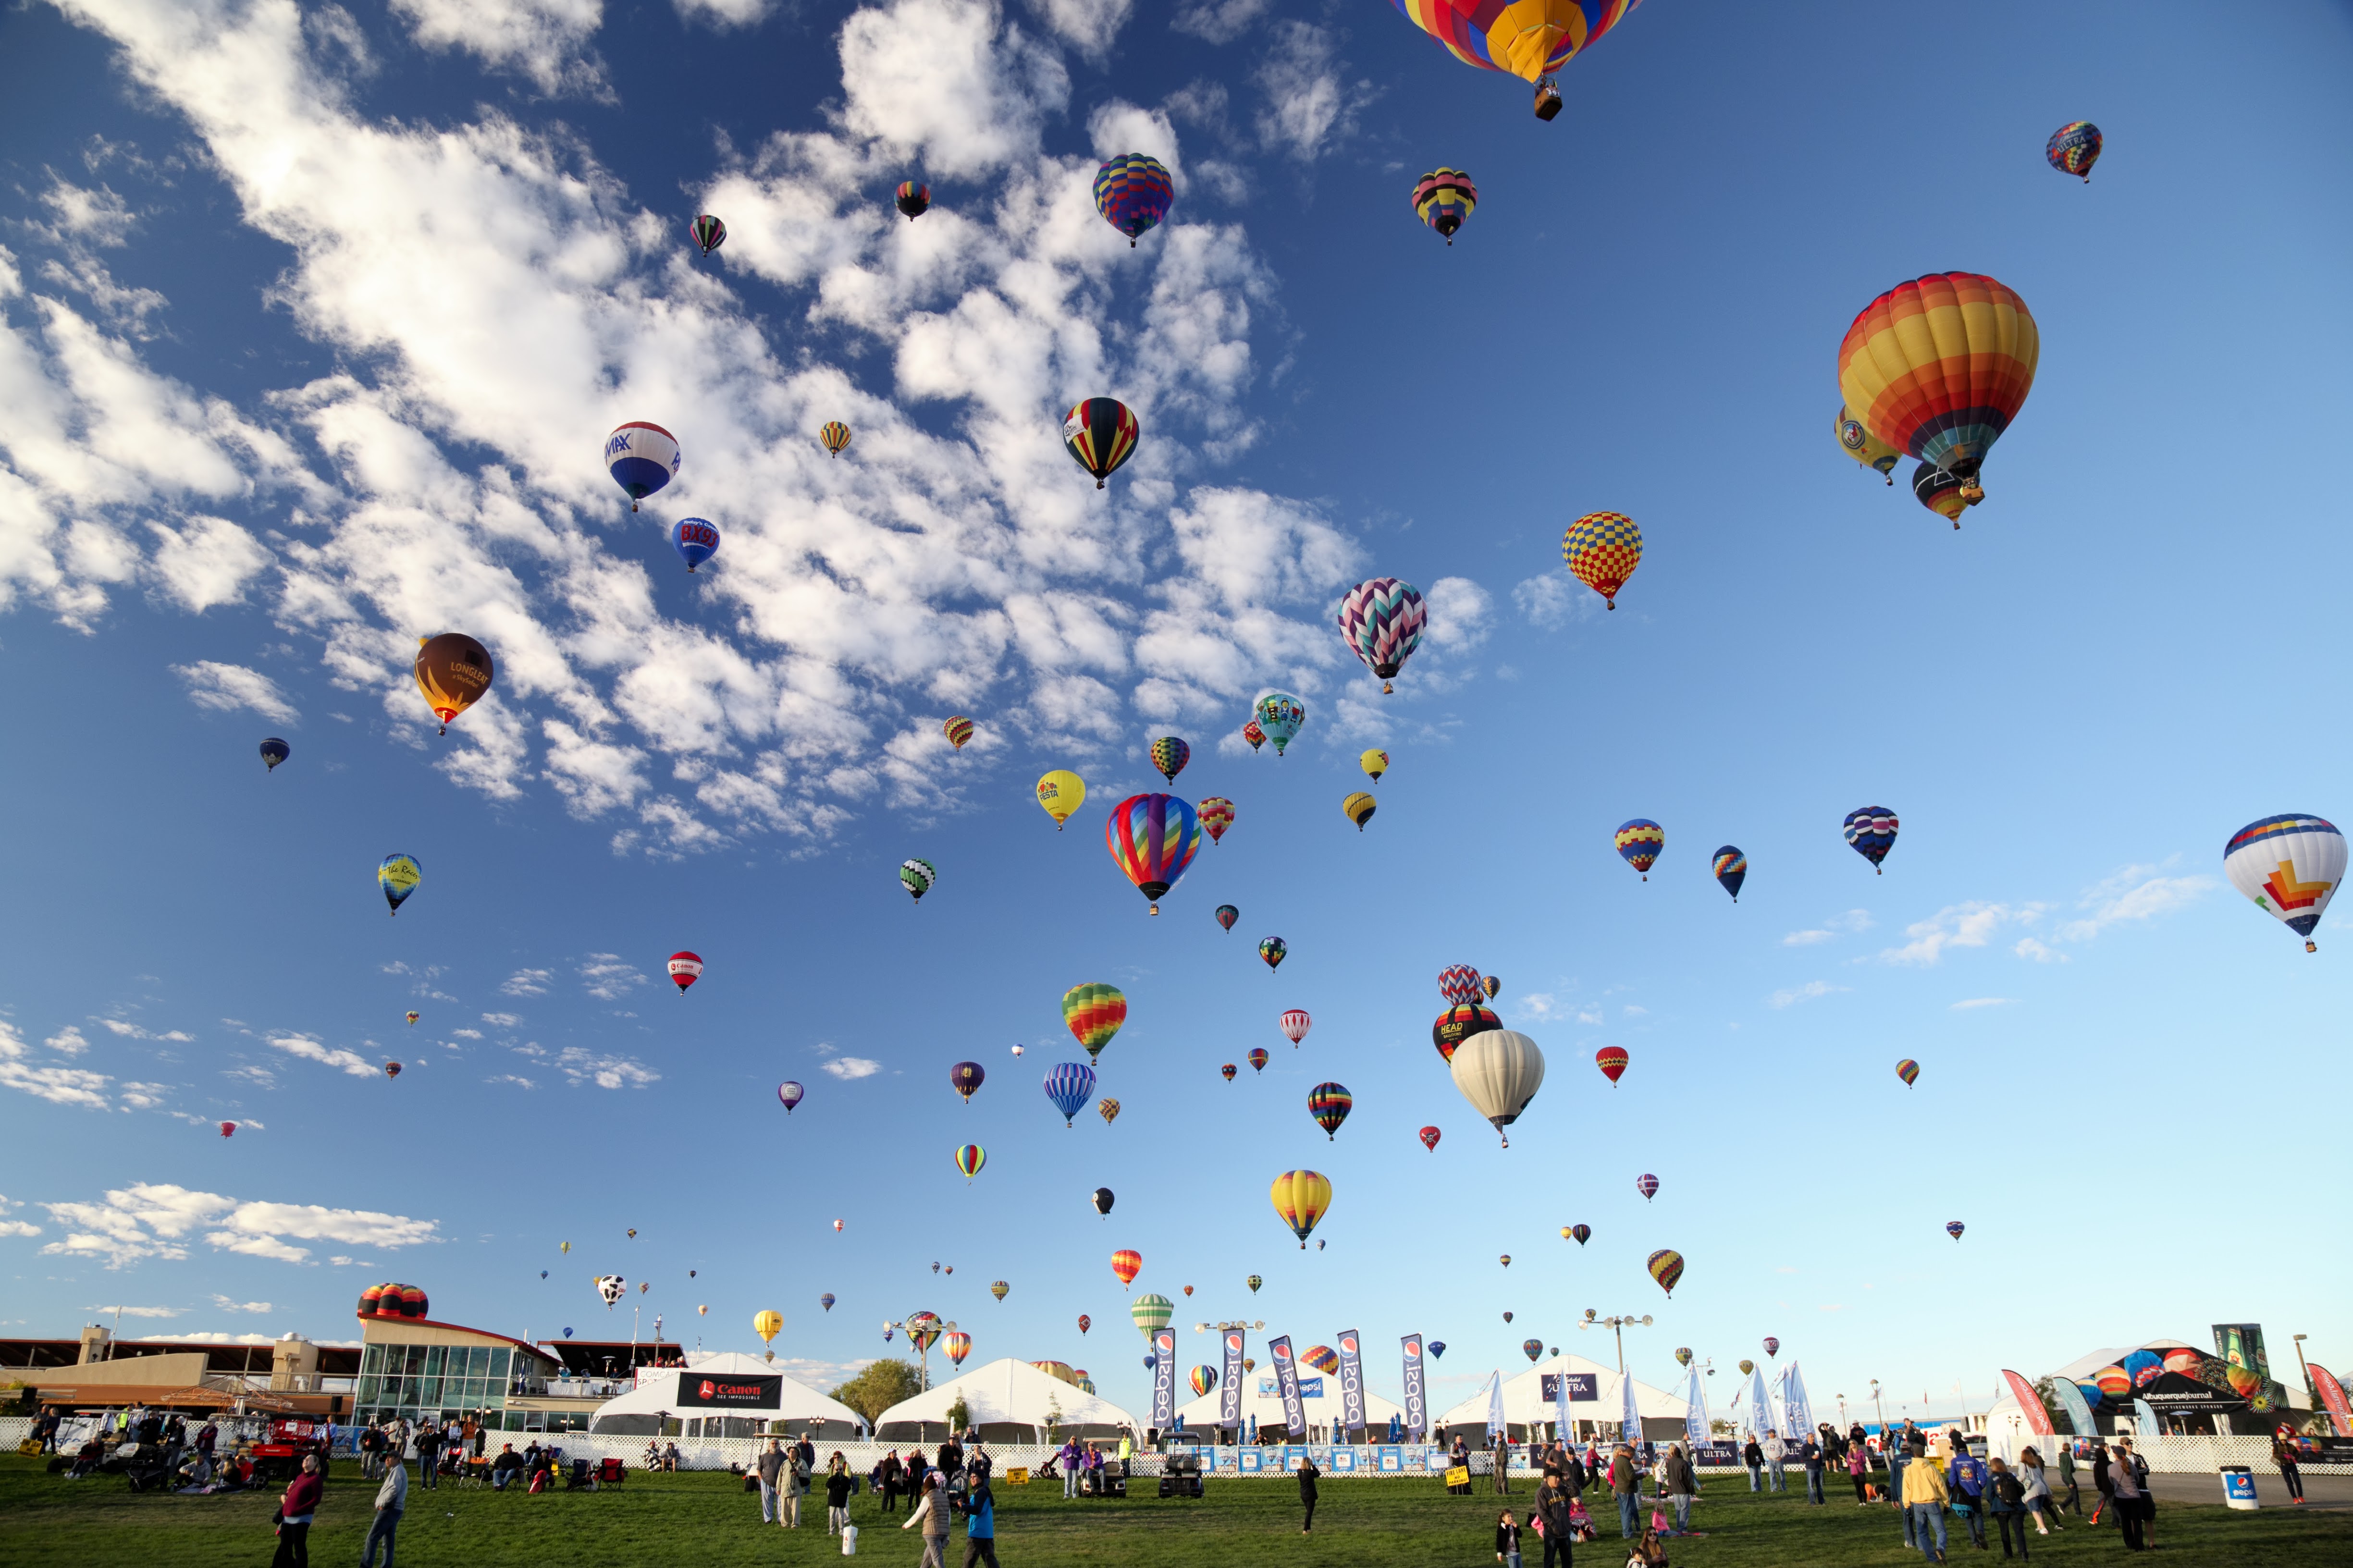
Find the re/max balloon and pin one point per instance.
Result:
(641, 458)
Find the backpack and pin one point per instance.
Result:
(2009, 1488)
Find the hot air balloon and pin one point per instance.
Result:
(769, 1323)
(563, 1247)
(826, 1300)
(1683, 1355)
(543, 1274)
(2290, 866)
(1229, 1070)
(1611, 1061)
(1151, 1313)
(1061, 793)
(1506, 1260)
(1498, 1071)
(1108, 1108)
(834, 436)
(1437, 1348)
(1102, 1200)
(1579, 1234)
(836, 1227)
(696, 539)
(999, 1288)
(1382, 621)
(1169, 754)
(914, 199)
(1085, 1322)
(454, 672)
(1093, 1012)
(1939, 491)
(1203, 1379)
(1301, 1197)
(1375, 763)
(1124, 1263)
(958, 730)
(959, 1345)
(1666, 1267)
(1865, 448)
(1273, 950)
(1253, 1282)
(611, 1286)
(1530, 38)
(918, 876)
(274, 752)
(1532, 1349)
(1133, 192)
(1640, 843)
(1731, 869)
(1152, 837)
(229, 1129)
(1279, 715)
(1217, 815)
(1647, 1184)
(1321, 1358)
(1069, 1085)
(685, 969)
(1016, 1051)
(1227, 915)
(966, 1077)
(1602, 549)
(412, 1016)
(1872, 831)
(1939, 367)
(1102, 433)
(2073, 148)
(1908, 1071)
(1457, 1024)
(392, 1070)
(1954, 1227)
(708, 232)
(1458, 983)
(924, 1330)
(1254, 735)
(790, 1093)
(1772, 1347)
(632, 1232)
(1328, 1103)
(1444, 198)
(1295, 1025)
(1507, 1317)
(398, 875)
(887, 1329)
(1358, 808)
(969, 1158)
(1491, 985)
(1150, 1361)
(1256, 1059)
(641, 458)
(1746, 1367)
(1429, 1136)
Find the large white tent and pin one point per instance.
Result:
(1525, 1404)
(1319, 1402)
(1011, 1402)
(724, 1394)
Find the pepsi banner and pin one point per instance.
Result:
(1163, 1378)
(1286, 1377)
(1229, 1410)
(1416, 1412)
(1352, 1385)
(730, 1393)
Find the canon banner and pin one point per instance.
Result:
(2038, 1419)
(2332, 1398)
(1352, 1385)
(1230, 1412)
(730, 1393)
(1286, 1378)
(1163, 1378)
(1417, 1413)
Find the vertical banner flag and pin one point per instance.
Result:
(1352, 1385)
(1495, 1406)
(2242, 1345)
(1229, 1410)
(1417, 1413)
(2150, 1426)
(1286, 1379)
(1797, 1410)
(1163, 1378)
(2331, 1390)
(1629, 1416)
(2038, 1420)
(1560, 1404)
(1758, 1416)
(1695, 1429)
(2071, 1400)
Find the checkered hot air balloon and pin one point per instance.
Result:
(1382, 621)
(1648, 1186)
(709, 233)
(1731, 869)
(1254, 735)
(1217, 815)
(1872, 832)
(1602, 549)
(1640, 844)
(918, 876)
(1939, 367)
(1169, 755)
(1329, 1103)
(2073, 148)
(1133, 192)
(1108, 1108)
(1444, 198)
(1152, 837)
(1093, 1012)
(2290, 866)
(1102, 433)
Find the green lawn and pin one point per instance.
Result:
(661, 1521)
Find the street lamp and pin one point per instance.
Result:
(1879, 1406)
(1618, 1326)
(2305, 1367)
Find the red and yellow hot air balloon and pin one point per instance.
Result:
(1093, 1012)
(1611, 1061)
(1301, 1197)
(1602, 548)
(1939, 367)
(1530, 38)
(1125, 1263)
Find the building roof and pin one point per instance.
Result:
(406, 1331)
(587, 1358)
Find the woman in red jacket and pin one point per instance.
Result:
(295, 1511)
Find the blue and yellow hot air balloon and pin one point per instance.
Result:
(1865, 448)
(1530, 38)
(1731, 869)
(1154, 838)
(1602, 549)
(398, 876)
(1640, 844)
(969, 1159)
(1133, 192)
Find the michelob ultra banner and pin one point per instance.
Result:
(1417, 1413)
(1286, 1378)
(1352, 1384)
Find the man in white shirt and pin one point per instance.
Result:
(1775, 1451)
(391, 1499)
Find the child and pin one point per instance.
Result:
(1507, 1541)
(1580, 1522)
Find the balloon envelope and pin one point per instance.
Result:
(2290, 866)
(1329, 1104)
(1865, 448)
(1871, 829)
(1498, 1071)
(1125, 1263)
(274, 752)
(1640, 844)
(398, 876)
(1152, 837)
(1279, 715)
(1939, 367)
(695, 539)
(790, 1094)
(1169, 754)
(1070, 1085)
(1300, 1198)
(913, 198)
(1731, 869)
(1602, 549)
(1217, 815)
(834, 436)
(1102, 433)
(1444, 199)
(1666, 1267)
(1061, 793)
(641, 458)
(966, 1077)
(1228, 915)
(2073, 148)
(1358, 808)
(767, 1324)
(1532, 39)
(454, 672)
(709, 233)
(1093, 1012)
(1382, 620)
(1133, 192)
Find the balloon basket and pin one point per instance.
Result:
(1548, 100)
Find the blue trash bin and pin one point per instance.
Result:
(2238, 1487)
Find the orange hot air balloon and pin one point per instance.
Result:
(1939, 367)
(1125, 1263)
(454, 671)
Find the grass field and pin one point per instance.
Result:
(662, 1522)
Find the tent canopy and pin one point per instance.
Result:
(1008, 1401)
(732, 1395)
(1525, 1406)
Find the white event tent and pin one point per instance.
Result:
(1525, 1404)
(1011, 1402)
(1319, 1402)
(762, 1400)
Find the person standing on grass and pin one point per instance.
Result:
(1810, 1455)
(295, 1511)
(1307, 1478)
(1924, 1496)
(1775, 1451)
(1683, 1486)
(2284, 1456)
(890, 1472)
(1069, 1456)
(428, 1445)
(980, 1525)
(1458, 1458)
(2103, 1482)
(1857, 1464)
(2145, 1504)
(1625, 1485)
(1753, 1457)
(2005, 1499)
(2067, 1480)
(797, 1484)
(1507, 1541)
(391, 1499)
(771, 1468)
(837, 1483)
(2035, 1491)
(1552, 1515)
(1899, 1458)
(932, 1513)
(1968, 1475)
(2123, 1495)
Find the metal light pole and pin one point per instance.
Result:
(2303, 1366)
(1880, 1406)
(1618, 1326)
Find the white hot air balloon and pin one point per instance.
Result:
(1499, 1072)
(2290, 866)
(610, 1286)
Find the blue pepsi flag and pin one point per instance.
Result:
(1230, 1413)
(1417, 1413)
(1352, 1385)
(1286, 1378)
(1163, 1378)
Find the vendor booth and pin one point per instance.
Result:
(1595, 1402)
(1007, 1401)
(724, 1394)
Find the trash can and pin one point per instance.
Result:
(2238, 1487)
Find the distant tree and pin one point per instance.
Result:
(959, 1414)
(881, 1385)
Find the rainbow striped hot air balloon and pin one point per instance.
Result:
(1154, 838)
(1444, 198)
(709, 233)
(1939, 491)
(959, 1345)
(1640, 844)
(1203, 1379)
(1602, 549)
(1093, 1012)
(1939, 367)
(2073, 148)
(1908, 1071)
(1300, 1198)
(969, 1159)
(1530, 38)
(1328, 1103)
(1133, 193)
(1256, 1059)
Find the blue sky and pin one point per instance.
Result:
(315, 320)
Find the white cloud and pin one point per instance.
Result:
(1631, 1011)
(15, 1226)
(724, 13)
(604, 1071)
(230, 1304)
(1829, 929)
(528, 983)
(138, 1311)
(59, 1085)
(205, 562)
(134, 1032)
(545, 39)
(153, 1220)
(852, 1067)
(1806, 992)
(1087, 26)
(229, 688)
(1971, 924)
(2134, 893)
(1218, 21)
(2036, 952)
(511, 1077)
(1554, 599)
(1539, 1006)
(1462, 613)
(67, 1042)
(1975, 1002)
(948, 80)
(215, 1337)
(609, 977)
(503, 1020)
(467, 1034)
(1309, 109)
(309, 1049)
